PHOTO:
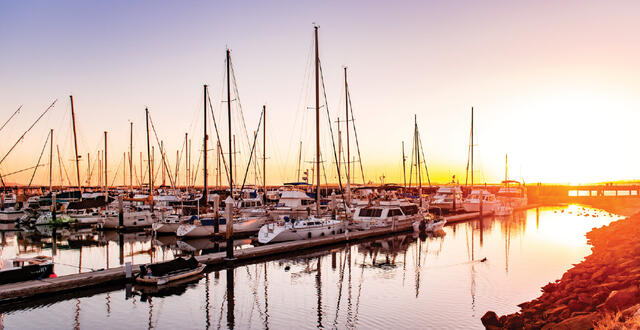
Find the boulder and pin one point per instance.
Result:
(621, 299)
(581, 322)
(490, 318)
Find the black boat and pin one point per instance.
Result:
(164, 272)
(25, 269)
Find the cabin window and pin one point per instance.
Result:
(410, 209)
(373, 213)
(394, 212)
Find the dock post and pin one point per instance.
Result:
(229, 220)
(481, 202)
(127, 270)
(216, 213)
(53, 207)
(120, 211)
(230, 299)
(455, 195)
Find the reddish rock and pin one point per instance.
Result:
(582, 322)
(620, 299)
(576, 306)
(490, 318)
(554, 311)
(514, 323)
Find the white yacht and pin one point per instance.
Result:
(10, 215)
(293, 230)
(385, 214)
(513, 194)
(168, 224)
(445, 196)
(86, 217)
(204, 226)
(293, 202)
(489, 202)
(131, 219)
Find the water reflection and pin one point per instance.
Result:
(402, 280)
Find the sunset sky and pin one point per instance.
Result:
(553, 84)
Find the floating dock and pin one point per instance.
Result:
(22, 290)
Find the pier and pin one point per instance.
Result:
(22, 290)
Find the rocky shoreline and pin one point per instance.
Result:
(605, 283)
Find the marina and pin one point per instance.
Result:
(342, 165)
(343, 278)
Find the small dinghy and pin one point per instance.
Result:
(432, 222)
(164, 272)
(429, 225)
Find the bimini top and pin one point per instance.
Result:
(296, 184)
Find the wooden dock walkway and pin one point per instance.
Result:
(22, 290)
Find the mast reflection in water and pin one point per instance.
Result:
(400, 281)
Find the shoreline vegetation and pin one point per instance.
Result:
(601, 292)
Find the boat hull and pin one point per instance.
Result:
(26, 273)
(162, 280)
(272, 233)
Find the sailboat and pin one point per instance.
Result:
(312, 226)
(478, 197)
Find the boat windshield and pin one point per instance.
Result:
(372, 213)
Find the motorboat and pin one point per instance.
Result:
(503, 210)
(448, 198)
(61, 219)
(293, 202)
(472, 202)
(164, 272)
(513, 194)
(10, 215)
(24, 269)
(294, 230)
(385, 214)
(429, 225)
(132, 219)
(169, 224)
(85, 217)
(205, 226)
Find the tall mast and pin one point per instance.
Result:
(264, 154)
(88, 169)
(186, 160)
(299, 160)
(346, 103)
(162, 162)
(124, 169)
(218, 173)
(506, 167)
(51, 163)
(471, 147)
(75, 144)
(234, 155)
(131, 156)
(205, 192)
(229, 121)
(404, 166)
(106, 184)
(417, 144)
(315, 28)
(146, 110)
(141, 173)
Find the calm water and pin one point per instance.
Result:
(401, 281)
